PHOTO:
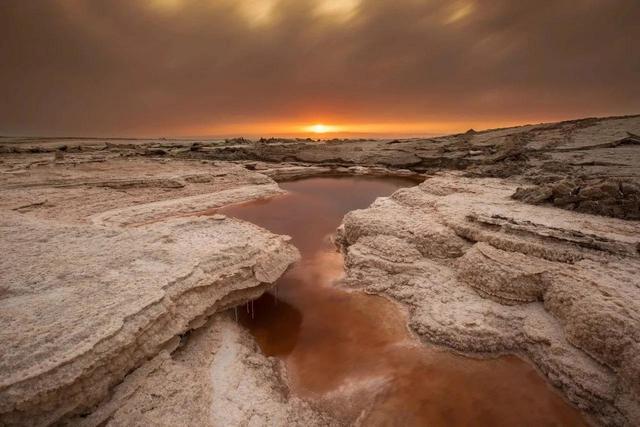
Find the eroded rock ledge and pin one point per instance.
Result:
(104, 267)
(481, 272)
(82, 305)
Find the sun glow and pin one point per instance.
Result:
(321, 128)
(343, 130)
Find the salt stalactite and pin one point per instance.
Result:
(253, 312)
(275, 294)
(247, 306)
(235, 309)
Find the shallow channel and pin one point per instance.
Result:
(352, 353)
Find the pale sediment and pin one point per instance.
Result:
(85, 300)
(83, 306)
(76, 191)
(481, 272)
(219, 377)
(149, 212)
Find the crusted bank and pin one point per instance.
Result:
(219, 377)
(481, 272)
(88, 297)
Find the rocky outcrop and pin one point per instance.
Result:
(481, 272)
(84, 305)
(80, 192)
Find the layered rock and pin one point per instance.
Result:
(150, 212)
(79, 192)
(481, 272)
(83, 306)
(86, 304)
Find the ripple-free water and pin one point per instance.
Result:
(351, 352)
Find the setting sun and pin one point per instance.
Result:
(320, 128)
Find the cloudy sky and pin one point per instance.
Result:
(269, 67)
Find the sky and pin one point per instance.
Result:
(304, 67)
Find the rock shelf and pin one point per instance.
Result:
(480, 272)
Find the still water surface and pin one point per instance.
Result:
(352, 352)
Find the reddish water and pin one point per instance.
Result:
(352, 353)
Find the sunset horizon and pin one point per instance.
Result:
(323, 130)
(278, 67)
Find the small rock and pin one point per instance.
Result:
(219, 217)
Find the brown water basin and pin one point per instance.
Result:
(352, 353)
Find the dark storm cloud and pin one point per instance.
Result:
(163, 66)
